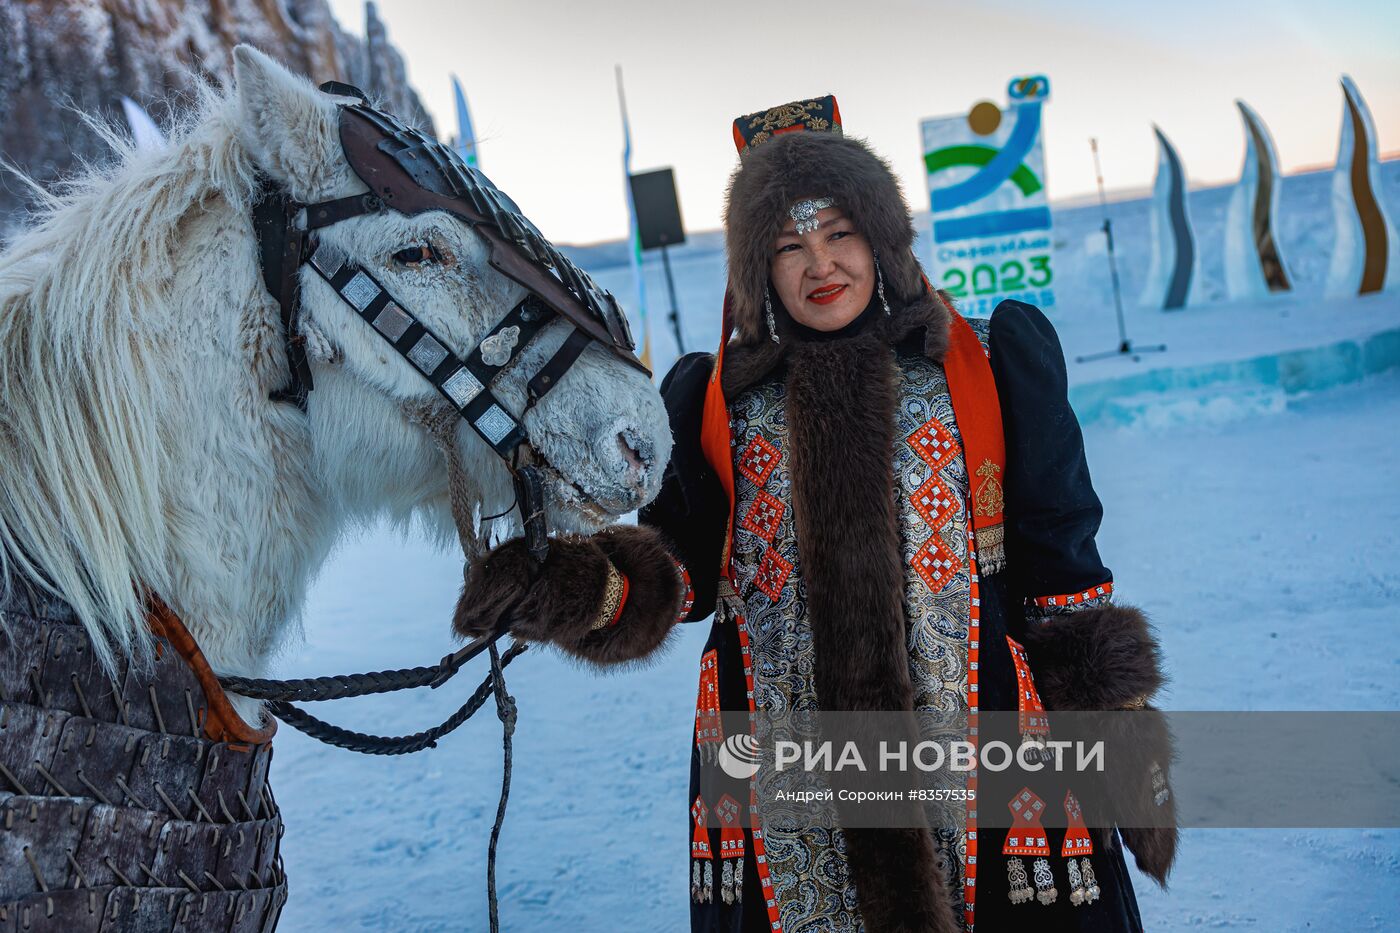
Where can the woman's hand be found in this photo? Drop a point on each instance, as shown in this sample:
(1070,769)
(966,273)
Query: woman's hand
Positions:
(577,599)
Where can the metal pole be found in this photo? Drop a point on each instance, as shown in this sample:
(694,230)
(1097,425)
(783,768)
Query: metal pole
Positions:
(1112,259)
(675,313)
(1125,346)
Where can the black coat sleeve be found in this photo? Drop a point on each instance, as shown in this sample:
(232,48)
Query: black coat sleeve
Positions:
(691,509)
(1052,512)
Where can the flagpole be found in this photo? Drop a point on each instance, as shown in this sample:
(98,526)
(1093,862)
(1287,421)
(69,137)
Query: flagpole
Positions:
(634,241)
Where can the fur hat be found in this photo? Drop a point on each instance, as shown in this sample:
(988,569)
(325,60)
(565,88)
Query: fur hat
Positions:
(792,166)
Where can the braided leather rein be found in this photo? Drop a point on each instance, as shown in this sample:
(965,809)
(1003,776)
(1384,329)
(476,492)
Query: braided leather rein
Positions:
(279,695)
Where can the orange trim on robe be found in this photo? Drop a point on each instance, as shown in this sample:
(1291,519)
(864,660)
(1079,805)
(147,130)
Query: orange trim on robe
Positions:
(622,600)
(1072,599)
(715,439)
(977,408)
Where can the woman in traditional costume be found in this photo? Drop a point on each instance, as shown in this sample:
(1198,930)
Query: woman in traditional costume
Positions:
(886,507)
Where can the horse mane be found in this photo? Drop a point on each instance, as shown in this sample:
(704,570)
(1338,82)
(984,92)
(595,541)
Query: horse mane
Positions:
(87,375)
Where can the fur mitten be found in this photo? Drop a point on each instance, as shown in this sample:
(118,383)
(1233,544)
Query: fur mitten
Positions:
(562,600)
(1106,659)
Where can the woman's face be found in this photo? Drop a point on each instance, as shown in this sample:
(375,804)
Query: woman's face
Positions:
(825,276)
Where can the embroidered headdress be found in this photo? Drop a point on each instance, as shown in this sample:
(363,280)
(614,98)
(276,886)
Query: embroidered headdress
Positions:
(754,129)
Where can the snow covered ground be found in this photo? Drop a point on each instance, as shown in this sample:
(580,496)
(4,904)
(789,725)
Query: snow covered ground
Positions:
(1265,546)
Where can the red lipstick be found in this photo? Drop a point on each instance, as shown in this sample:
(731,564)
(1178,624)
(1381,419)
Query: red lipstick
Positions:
(825,296)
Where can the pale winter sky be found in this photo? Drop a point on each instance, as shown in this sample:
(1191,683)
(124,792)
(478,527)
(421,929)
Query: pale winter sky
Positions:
(539,78)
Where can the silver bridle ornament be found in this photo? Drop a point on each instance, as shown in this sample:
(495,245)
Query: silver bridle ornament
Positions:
(804,213)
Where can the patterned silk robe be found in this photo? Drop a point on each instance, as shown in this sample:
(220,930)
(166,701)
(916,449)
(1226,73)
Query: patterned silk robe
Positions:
(808,865)
(959,632)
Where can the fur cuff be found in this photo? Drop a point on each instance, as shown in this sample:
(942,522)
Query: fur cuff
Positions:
(560,602)
(1094,659)
(1105,659)
(1154,850)
(1149,827)
(654,597)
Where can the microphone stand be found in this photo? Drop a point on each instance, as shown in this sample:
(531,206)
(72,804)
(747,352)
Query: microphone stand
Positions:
(1125,346)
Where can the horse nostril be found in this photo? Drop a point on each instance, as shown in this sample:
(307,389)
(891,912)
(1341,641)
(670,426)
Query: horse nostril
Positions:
(637,462)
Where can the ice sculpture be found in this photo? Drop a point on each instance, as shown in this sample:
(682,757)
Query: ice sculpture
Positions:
(1365,252)
(1173,267)
(1253,264)
(144,131)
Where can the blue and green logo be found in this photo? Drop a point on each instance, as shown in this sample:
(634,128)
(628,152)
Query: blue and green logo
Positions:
(995,167)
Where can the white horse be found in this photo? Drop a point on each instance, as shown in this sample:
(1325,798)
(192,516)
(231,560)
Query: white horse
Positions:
(139,450)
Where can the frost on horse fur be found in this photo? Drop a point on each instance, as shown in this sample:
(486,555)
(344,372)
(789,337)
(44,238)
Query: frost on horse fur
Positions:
(138,347)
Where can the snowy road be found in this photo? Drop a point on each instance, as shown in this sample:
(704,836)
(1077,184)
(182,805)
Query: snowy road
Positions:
(1266,552)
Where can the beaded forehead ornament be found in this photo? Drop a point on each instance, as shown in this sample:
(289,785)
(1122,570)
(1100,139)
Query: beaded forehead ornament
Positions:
(804,213)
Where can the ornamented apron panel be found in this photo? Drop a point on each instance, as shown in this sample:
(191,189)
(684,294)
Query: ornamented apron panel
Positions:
(933,517)
(808,865)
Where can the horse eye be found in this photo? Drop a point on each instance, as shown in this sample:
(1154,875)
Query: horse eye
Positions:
(415,255)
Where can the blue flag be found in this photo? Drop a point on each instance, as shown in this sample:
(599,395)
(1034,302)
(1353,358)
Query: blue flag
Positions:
(466,139)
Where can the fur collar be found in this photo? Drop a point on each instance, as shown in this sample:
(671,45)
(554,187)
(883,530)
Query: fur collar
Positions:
(840,408)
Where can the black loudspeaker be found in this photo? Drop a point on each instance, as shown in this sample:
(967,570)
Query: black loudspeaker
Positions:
(658,212)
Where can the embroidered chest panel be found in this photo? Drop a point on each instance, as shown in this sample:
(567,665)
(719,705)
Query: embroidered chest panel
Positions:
(932,487)
(808,864)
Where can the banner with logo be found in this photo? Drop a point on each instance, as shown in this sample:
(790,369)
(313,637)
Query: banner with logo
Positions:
(991,220)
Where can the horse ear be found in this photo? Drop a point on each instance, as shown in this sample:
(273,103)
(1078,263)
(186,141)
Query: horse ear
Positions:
(288,126)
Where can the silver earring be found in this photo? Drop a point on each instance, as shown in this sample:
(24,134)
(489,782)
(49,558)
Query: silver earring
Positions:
(768,314)
(880,284)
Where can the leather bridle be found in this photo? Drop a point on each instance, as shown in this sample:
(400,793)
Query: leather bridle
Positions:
(409,172)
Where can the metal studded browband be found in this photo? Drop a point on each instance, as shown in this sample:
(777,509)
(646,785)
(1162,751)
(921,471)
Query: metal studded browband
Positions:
(413,173)
(464,383)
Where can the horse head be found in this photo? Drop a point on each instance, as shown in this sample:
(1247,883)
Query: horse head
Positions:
(600,435)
